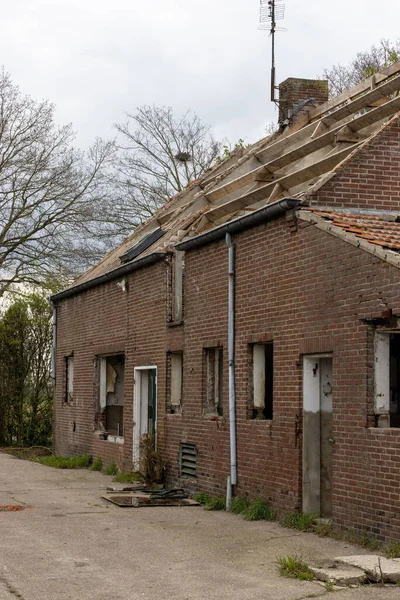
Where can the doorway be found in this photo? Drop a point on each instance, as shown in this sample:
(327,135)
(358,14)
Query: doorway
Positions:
(317,435)
(144,408)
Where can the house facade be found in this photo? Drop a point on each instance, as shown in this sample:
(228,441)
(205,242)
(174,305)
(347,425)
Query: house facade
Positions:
(252,325)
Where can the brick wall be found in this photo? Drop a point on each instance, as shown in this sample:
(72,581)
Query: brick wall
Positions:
(371,179)
(309,292)
(100,321)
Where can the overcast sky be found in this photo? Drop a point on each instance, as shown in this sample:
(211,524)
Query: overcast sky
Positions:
(98,59)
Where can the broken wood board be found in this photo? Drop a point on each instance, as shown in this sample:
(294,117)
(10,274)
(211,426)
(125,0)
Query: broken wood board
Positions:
(139,500)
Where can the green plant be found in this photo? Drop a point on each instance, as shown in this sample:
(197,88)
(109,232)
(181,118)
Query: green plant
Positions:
(239,504)
(293,566)
(110,469)
(64,462)
(392,550)
(202,498)
(329,586)
(128,477)
(300,521)
(259,510)
(96,465)
(217,503)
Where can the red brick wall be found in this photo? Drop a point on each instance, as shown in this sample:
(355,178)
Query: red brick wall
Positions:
(371,179)
(107,320)
(309,292)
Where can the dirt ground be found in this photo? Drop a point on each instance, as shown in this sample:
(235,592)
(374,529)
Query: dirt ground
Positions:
(68,543)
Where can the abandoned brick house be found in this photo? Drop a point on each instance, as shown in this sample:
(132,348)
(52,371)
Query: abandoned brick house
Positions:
(253,323)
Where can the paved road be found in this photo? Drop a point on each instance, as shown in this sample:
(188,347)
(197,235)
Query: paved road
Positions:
(70,544)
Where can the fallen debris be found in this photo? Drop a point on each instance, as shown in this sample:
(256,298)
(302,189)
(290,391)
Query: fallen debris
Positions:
(137,499)
(12,507)
(338,574)
(377,568)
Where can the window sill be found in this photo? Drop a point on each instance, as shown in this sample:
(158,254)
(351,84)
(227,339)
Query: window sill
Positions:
(174,323)
(115,439)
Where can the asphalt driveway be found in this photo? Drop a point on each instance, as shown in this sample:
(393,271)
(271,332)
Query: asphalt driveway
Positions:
(70,544)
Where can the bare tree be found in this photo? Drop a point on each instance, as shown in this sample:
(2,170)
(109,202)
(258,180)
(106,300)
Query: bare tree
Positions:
(159,155)
(48,190)
(365,64)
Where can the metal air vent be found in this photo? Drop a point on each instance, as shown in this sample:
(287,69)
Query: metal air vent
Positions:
(188,455)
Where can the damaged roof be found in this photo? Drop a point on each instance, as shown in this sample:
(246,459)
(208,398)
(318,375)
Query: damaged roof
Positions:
(377,232)
(291,164)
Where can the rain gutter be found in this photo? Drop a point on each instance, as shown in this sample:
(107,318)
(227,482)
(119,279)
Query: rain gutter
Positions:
(266,213)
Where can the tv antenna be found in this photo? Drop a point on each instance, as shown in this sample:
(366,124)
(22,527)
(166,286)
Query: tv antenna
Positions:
(272,11)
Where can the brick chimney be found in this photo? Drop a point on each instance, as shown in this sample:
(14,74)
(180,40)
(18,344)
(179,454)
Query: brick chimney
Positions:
(298,96)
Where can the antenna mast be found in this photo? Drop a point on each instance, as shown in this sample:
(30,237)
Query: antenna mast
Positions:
(270,12)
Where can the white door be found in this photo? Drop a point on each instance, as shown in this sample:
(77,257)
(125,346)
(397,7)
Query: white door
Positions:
(144,408)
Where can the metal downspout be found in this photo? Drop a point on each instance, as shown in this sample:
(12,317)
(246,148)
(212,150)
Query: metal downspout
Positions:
(231,356)
(53,349)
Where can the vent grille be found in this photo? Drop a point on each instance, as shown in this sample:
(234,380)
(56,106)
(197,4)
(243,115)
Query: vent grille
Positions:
(188,454)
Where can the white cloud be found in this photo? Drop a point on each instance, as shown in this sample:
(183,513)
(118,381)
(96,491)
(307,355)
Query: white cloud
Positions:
(98,59)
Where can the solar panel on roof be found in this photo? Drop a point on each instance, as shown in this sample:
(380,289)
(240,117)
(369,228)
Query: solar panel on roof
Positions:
(141,246)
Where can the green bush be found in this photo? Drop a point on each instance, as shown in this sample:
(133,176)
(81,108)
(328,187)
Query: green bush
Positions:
(64,462)
(259,510)
(110,469)
(97,465)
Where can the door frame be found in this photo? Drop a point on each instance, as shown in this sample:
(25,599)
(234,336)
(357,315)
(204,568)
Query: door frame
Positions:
(137,432)
(311,456)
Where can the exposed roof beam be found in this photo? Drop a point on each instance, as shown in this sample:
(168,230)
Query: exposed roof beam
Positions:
(287,182)
(372,83)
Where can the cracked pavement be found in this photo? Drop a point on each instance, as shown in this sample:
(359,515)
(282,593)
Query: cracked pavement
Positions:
(71,544)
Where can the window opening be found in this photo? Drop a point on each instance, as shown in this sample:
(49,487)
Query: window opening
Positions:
(387,379)
(263,381)
(110,413)
(214,381)
(69,378)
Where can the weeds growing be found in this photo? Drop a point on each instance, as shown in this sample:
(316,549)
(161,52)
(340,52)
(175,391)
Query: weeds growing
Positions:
(202,498)
(218,503)
(392,550)
(259,510)
(65,462)
(96,465)
(239,504)
(300,521)
(110,469)
(293,566)
(128,477)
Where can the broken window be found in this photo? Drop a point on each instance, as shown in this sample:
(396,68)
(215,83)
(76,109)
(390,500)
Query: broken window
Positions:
(69,379)
(175,375)
(387,379)
(213,381)
(110,409)
(263,380)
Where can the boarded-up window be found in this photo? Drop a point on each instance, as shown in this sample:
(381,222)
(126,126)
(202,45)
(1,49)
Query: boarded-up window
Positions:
(176,380)
(213,381)
(69,378)
(263,380)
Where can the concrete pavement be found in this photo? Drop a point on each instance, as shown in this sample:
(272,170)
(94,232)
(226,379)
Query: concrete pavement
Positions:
(71,544)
